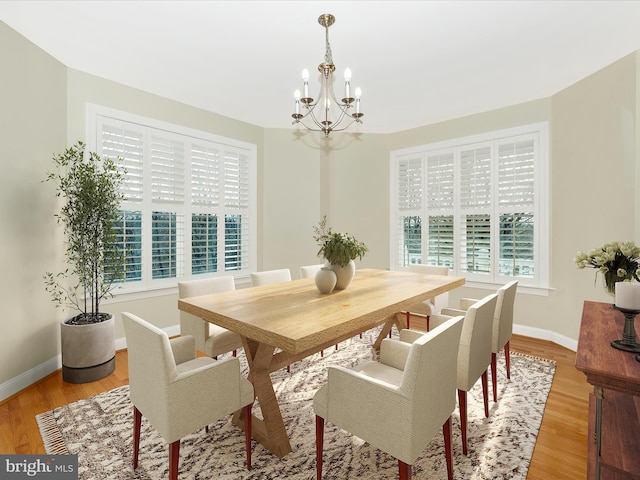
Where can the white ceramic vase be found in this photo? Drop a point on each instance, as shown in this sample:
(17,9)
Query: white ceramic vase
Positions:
(344,274)
(325,280)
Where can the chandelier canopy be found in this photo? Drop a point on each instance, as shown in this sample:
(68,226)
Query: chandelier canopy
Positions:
(327,114)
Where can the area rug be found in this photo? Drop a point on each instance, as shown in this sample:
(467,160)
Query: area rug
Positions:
(99,430)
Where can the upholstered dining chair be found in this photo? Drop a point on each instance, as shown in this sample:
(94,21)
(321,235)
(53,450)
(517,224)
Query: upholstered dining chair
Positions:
(431,305)
(177,392)
(269,277)
(384,402)
(211,339)
(502,328)
(309,271)
(474,354)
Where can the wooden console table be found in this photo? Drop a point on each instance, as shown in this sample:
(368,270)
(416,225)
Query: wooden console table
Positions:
(614,406)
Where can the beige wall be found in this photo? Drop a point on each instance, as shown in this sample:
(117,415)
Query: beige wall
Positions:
(32,127)
(593,181)
(290,202)
(594,174)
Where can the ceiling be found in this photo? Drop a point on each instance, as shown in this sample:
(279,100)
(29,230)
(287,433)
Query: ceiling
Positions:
(417,62)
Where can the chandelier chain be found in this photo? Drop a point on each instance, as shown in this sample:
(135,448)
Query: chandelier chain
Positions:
(328,56)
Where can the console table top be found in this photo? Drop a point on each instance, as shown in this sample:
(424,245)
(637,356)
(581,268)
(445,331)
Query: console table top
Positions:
(603,365)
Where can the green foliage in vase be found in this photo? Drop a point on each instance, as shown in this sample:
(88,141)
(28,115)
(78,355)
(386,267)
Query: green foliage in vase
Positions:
(616,261)
(90,187)
(337,248)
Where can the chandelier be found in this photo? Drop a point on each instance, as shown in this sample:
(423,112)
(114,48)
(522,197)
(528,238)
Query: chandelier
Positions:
(327,114)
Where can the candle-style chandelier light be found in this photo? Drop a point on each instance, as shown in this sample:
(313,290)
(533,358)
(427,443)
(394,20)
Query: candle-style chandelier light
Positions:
(327,114)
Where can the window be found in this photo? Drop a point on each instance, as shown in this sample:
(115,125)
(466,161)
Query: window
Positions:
(190,199)
(477,205)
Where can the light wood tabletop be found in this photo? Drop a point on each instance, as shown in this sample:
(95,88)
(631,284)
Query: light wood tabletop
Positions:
(285,322)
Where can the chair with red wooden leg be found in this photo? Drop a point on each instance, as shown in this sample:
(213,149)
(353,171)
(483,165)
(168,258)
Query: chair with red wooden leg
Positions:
(474,355)
(211,339)
(269,277)
(502,328)
(432,305)
(399,403)
(177,392)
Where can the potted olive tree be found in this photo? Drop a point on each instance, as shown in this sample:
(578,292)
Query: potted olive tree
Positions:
(90,188)
(339,250)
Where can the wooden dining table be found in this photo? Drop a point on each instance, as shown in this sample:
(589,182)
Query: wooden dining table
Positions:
(286,322)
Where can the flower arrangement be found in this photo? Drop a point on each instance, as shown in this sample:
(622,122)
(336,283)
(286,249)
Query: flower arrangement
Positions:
(337,248)
(617,261)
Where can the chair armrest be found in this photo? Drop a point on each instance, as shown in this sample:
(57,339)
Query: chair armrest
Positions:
(410,336)
(211,385)
(465,303)
(367,407)
(183,348)
(453,312)
(439,319)
(209,391)
(394,353)
(345,383)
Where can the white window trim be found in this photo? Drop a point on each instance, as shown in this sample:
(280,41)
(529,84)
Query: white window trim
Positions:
(541,191)
(147,289)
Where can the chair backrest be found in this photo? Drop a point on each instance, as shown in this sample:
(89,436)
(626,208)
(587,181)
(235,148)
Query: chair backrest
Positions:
(430,378)
(151,362)
(442,300)
(309,271)
(474,355)
(269,277)
(190,324)
(503,318)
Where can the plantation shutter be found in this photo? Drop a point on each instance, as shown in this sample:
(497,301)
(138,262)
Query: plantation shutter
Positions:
(205,175)
(516,204)
(206,185)
(440,204)
(167,159)
(189,198)
(410,208)
(476,205)
(236,203)
(475,209)
(124,144)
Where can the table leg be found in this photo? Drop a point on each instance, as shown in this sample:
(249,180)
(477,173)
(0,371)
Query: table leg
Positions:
(598,393)
(397,319)
(271,431)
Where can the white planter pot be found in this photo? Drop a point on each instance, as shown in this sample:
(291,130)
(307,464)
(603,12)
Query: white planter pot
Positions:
(344,274)
(88,351)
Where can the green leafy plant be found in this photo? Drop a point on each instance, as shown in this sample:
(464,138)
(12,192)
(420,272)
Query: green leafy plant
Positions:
(90,187)
(337,248)
(616,261)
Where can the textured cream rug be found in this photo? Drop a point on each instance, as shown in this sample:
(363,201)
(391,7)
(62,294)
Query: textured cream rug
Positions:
(99,430)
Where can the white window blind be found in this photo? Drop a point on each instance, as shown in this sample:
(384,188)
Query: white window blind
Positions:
(475,204)
(190,199)
(410,194)
(440,207)
(205,175)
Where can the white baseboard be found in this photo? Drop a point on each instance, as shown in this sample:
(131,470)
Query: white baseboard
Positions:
(28,378)
(542,334)
(24,380)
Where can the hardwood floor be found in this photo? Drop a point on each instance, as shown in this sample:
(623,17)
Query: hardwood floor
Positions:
(560,452)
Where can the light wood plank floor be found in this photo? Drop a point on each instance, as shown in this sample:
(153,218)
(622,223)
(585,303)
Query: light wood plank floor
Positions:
(560,452)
